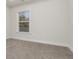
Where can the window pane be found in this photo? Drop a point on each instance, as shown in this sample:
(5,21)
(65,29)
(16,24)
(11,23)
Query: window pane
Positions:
(24,26)
(24,16)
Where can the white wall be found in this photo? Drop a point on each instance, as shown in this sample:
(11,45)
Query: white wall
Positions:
(8,20)
(51,22)
(70,24)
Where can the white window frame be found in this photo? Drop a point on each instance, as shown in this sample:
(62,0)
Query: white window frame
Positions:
(17,29)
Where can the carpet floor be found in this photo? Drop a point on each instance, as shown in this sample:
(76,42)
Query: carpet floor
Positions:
(19,49)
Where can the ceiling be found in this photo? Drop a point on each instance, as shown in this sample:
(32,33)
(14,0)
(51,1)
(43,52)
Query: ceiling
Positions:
(12,3)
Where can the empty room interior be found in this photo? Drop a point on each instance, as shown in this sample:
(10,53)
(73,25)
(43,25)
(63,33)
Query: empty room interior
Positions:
(39,29)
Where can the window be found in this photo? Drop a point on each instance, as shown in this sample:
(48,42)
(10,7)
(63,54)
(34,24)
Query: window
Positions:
(24,17)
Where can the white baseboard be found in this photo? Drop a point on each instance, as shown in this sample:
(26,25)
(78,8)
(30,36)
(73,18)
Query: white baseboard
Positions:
(44,42)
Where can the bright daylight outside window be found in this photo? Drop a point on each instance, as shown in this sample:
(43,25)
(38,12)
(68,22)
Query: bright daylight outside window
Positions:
(24,21)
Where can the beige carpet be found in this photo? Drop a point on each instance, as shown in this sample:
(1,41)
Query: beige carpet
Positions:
(18,49)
